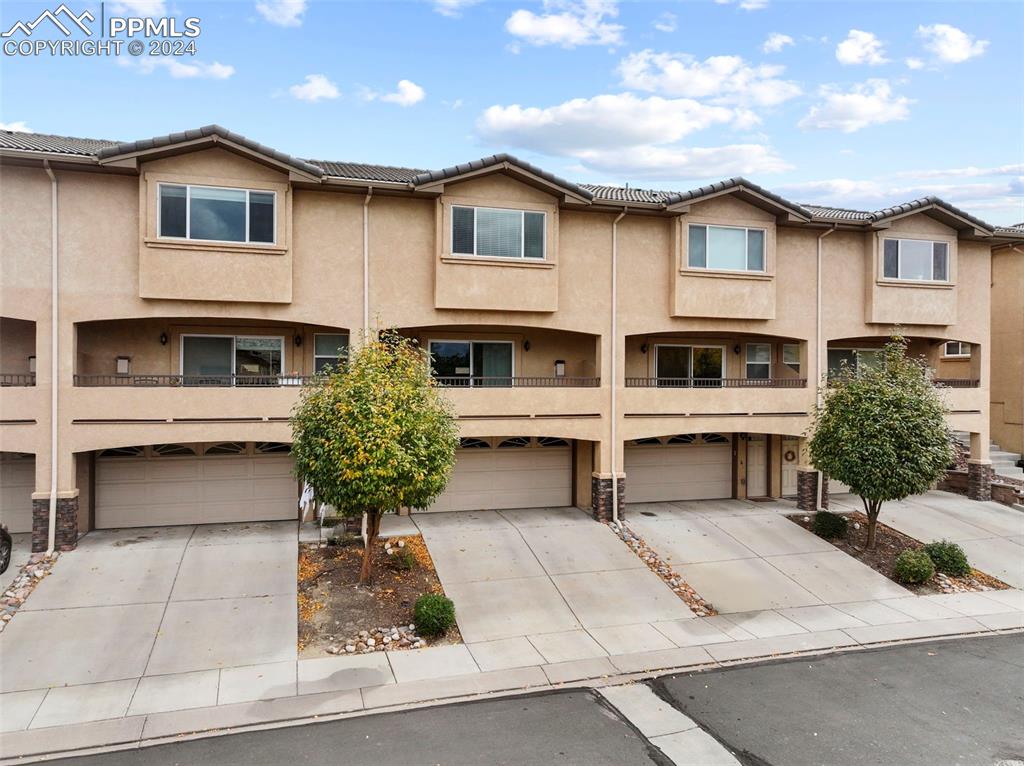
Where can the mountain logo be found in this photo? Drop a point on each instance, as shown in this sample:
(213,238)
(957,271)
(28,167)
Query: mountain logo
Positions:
(55,18)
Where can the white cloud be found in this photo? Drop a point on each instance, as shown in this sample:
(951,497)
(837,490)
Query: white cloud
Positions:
(568,23)
(666,22)
(284,13)
(861,47)
(776,42)
(949,44)
(601,122)
(967,172)
(867,103)
(746,5)
(452,8)
(913,63)
(139,8)
(180,70)
(724,79)
(316,88)
(406,93)
(17,127)
(670,163)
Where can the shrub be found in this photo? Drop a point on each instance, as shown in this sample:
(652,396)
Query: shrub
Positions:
(829,525)
(434,614)
(402,559)
(913,566)
(949,558)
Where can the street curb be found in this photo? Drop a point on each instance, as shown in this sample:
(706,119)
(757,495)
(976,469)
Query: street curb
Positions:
(44,749)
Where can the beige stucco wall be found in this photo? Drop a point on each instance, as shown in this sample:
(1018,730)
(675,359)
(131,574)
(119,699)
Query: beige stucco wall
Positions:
(1008,349)
(109,307)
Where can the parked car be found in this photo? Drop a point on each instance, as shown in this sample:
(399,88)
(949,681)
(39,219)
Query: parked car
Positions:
(5,548)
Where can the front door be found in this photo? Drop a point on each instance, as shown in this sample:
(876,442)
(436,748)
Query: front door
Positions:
(790,460)
(757,466)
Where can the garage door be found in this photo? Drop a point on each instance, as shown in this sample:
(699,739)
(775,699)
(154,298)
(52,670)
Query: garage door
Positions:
(236,482)
(521,474)
(683,467)
(17,480)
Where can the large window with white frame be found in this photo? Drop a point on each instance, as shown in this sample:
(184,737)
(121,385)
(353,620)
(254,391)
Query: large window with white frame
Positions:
(689,366)
(851,360)
(915,260)
(472,362)
(498,232)
(216,214)
(726,248)
(231,359)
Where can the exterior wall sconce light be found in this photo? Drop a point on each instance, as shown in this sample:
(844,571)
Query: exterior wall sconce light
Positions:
(298,340)
(163,339)
(559,368)
(124,365)
(526,345)
(643,348)
(736,349)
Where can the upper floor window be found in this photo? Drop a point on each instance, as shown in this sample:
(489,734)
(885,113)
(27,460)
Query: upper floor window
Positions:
(726,248)
(215,213)
(791,356)
(956,348)
(852,360)
(918,260)
(329,350)
(498,233)
(759,361)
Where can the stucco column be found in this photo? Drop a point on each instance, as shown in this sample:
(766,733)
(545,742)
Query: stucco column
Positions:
(602,480)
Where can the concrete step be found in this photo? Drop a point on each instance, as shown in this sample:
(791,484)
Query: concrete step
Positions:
(1012,473)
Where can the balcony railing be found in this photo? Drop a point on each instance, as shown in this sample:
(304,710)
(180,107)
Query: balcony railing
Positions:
(17,379)
(208,381)
(716,382)
(957,382)
(517,382)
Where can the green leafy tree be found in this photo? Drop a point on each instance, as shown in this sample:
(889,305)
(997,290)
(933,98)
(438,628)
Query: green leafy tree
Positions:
(881,430)
(375,435)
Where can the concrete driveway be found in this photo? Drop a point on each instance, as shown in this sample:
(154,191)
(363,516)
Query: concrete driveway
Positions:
(991,534)
(546,584)
(747,557)
(137,616)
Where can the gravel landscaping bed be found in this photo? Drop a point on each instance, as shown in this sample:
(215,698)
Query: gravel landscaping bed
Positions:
(338,616)
(38,567)
(888,545)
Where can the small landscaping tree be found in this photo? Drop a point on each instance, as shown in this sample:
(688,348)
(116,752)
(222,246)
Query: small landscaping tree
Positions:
(375,435)
(881,430)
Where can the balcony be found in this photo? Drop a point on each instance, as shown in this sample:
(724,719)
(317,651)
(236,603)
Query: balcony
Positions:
(204,381)
(17,379)
(716,382)
(517,382)
(957,382)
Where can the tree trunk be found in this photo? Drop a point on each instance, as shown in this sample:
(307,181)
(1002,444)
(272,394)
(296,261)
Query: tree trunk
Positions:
(874,508)
(372,529)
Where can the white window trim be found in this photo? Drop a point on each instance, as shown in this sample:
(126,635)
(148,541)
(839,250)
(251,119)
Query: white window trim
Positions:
(899,261)
(961,355)
(522,230)
(746,249)
(188,214)
(690,346)
(324,356)
(234,338)
(799,361)
(747,362)
(472,374)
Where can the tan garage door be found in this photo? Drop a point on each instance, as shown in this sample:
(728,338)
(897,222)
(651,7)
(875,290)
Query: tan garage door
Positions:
(17,479)
(687,467)
(153,490)
(510,477)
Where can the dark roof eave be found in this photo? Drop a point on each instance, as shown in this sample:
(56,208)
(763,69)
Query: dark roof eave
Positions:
(738,184)
(496,161)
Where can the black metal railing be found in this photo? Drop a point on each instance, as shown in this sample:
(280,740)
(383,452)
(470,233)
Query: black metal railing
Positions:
(516,382)
(957,382)
(716,382)
(17,379)
(207,381)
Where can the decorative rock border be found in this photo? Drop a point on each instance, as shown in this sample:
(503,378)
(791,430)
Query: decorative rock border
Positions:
(38,567)
(698,605)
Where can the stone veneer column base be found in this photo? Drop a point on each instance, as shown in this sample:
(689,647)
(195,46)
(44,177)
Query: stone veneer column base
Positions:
(807,490)
(979,480)
(601,497)
(66,537)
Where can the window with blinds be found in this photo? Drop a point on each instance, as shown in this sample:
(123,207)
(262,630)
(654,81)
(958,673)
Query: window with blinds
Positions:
(498,233)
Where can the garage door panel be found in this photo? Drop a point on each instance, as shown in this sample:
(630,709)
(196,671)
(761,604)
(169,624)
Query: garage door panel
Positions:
(17,482)
(678,472)
(198,490)
(508,478)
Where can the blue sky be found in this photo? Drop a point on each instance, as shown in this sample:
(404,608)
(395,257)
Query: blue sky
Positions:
(853,104)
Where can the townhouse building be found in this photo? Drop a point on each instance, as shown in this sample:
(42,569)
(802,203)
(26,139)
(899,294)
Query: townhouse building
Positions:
(1008,341)
(164,300)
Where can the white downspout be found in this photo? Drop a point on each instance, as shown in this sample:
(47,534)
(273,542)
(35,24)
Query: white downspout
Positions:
(366,262)
(54,360)
(818,356)
(614,370)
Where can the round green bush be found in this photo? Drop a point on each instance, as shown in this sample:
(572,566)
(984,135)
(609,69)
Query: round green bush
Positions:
(949,558)
(433,614)
(829,525)
(913,566)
